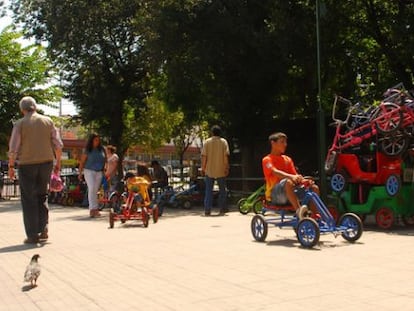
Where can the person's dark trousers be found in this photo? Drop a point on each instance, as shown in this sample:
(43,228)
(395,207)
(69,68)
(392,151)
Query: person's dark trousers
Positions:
(208,196)
(222,199)
(33,181)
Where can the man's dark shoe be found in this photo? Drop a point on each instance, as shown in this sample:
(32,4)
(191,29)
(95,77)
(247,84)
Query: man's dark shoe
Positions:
(207,213)
(44,235)
(31,240)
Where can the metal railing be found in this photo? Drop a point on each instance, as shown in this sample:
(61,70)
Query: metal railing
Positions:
(9,188)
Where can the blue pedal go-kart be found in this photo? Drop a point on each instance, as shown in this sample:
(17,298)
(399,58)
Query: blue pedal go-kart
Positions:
(308,229)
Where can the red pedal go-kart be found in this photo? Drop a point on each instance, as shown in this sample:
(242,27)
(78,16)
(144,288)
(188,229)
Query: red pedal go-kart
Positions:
(379,169)
(136,204)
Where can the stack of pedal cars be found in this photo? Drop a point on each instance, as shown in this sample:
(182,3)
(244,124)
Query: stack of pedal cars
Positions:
(370,162)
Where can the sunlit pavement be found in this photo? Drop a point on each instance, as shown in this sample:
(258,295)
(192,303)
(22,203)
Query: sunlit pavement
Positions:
(188,261)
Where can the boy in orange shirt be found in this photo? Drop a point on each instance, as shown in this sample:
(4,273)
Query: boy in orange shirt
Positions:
(281,175)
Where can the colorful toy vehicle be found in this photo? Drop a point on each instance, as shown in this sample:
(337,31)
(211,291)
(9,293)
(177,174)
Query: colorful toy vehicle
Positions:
(307,229)
(379,127)
(252,202)
(181,197)
(363,200)
(73,192)
(375,168)
(136,203)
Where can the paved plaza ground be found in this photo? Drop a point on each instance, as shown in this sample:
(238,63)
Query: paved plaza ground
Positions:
(190,262)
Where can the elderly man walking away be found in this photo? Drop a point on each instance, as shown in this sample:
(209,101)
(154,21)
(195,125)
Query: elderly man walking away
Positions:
(215,166)
(34,143)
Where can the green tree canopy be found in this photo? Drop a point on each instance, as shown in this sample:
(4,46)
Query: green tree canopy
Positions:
(24,70)
(100,47)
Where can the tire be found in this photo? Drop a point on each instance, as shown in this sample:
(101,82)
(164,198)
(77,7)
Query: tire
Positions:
(408,220)
(115,202)
(330,162)
(392,185)
(394,144)
(155,214)
(70,201)
(384,217)
(111,219)
(387,121)
(338,183)
(186,204)
(308,232)
(354,225)
(145,218)
(258,206)
(64,201)
(259,228)
(243,206)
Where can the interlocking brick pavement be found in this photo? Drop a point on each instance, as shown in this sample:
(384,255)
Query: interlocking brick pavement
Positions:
(190,262)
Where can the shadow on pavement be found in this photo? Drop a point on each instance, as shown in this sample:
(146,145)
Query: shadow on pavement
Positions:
(20,247)
(26,288)
(398,229)
(9,206)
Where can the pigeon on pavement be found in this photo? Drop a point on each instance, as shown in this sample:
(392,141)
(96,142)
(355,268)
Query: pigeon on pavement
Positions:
(32,271)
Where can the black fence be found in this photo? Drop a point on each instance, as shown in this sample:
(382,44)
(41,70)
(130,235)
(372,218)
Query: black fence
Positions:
(9,188)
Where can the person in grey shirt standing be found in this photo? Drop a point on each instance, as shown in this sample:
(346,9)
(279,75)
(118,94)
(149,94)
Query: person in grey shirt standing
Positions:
(34,144)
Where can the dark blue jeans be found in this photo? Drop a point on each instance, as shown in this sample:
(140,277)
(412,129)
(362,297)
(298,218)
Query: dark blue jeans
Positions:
(208,196)
(33,181)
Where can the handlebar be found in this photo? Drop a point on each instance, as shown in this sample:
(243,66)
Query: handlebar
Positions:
(343,100)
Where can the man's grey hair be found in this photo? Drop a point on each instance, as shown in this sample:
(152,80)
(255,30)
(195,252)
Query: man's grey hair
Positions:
(27,103)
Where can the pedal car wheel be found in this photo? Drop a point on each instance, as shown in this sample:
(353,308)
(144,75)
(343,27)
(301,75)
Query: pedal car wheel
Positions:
(115,202)
(145,218)
(308,232)
(394,144)
(408,220)
(186,204)
(354,227)
(258,206)
(384,218)
(392,185)
(155,214)
(70,201)
(258,227)
(111,219)
(388,119)
(243,206)
(338,182)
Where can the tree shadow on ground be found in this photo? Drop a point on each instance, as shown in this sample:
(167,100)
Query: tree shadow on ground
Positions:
(396,229)
(9,206)
(168,213)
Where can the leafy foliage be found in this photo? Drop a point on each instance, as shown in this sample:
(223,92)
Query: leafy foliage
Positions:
(23,71)
(245,64)
(100,47)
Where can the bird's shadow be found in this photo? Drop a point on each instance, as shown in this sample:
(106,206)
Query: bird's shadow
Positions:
(28,287)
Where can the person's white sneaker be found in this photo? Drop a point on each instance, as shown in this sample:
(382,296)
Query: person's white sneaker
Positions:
(302,212)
